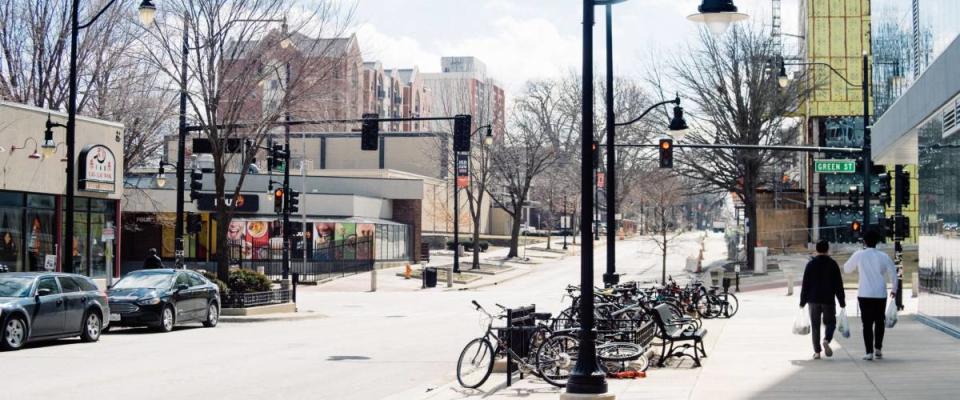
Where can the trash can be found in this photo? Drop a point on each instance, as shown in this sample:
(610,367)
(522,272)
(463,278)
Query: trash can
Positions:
(430,276)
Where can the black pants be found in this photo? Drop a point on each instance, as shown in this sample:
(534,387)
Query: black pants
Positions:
(829,313)
(872,314)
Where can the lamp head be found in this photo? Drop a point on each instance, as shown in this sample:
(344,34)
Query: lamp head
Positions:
(148,11)
(488,138)
(718,15)
(161,179)
(678,125)
(782,79)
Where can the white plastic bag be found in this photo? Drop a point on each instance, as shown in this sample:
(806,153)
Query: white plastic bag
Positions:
(843,325)
(801,324)
(891,317)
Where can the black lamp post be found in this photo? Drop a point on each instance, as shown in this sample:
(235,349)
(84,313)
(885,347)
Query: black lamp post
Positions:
(587,377)
(147,12)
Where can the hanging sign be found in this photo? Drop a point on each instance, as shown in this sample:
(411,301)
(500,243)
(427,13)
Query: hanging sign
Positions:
(463,170)
(97,169)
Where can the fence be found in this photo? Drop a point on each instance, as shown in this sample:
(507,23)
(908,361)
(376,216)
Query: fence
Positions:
(241,300)
(344,257)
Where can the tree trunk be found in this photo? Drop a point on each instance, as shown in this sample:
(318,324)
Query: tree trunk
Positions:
(515,234)
(750,209)
(223,226)
(476,240)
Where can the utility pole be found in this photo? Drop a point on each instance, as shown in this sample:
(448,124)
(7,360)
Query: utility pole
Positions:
(610,278)
(181,144)
(286,171)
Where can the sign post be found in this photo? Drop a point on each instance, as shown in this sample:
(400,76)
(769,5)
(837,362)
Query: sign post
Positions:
(107,236)
(463,181)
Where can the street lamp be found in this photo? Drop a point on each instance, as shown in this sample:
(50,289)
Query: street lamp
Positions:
(718,15)
(161,178)
(148,12)
(488,138)
(587,377)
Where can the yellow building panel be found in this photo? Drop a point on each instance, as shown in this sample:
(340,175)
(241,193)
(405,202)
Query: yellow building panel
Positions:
(852,7)
(853,39)
(837,8)
(838,32)
(819,8)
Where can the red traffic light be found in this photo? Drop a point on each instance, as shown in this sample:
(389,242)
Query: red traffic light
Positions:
(855,226)
(278,193)
(666,144)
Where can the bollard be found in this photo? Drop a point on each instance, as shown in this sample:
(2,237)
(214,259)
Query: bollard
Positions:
(915,278)
(296,281)
(789,283)
(450,277)
(373,280)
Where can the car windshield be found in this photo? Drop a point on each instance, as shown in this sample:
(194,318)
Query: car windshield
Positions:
(15,287)
(152,281)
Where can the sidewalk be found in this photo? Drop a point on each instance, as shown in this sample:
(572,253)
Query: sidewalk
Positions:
(755,356)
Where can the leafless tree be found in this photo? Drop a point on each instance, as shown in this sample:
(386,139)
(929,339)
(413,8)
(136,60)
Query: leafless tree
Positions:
(525,152)
(661,200)
(736,100)
(244,75)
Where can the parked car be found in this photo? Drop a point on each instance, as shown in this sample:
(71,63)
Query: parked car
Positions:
(163,298)
(43,306)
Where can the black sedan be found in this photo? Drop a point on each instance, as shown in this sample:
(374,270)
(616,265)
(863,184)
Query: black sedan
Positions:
(40,306)
(163,298)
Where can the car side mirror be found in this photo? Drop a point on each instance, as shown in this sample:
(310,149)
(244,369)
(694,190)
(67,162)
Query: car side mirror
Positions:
(44,292)
(182,287)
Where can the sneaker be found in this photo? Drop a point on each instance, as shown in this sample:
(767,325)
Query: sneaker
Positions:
(868,357)
(826,349)
(878,355)
(816,356)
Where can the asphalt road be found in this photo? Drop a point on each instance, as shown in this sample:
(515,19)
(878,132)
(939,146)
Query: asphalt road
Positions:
(367,345)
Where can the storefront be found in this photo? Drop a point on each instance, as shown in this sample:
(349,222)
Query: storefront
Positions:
(32,187)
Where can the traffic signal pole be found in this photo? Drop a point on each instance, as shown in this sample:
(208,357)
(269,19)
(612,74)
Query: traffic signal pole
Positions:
(610,278)
(897,234)
(181,148)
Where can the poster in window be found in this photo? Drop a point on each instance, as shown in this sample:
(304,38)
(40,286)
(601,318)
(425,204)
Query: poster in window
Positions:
(346,238)
(323,240)
(258,240)
(365,233)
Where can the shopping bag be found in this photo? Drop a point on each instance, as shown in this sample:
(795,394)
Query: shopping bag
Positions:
(843,325)
(801,324)
(891,317)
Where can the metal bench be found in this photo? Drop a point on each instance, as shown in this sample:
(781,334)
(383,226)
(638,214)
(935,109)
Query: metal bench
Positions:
(676,334)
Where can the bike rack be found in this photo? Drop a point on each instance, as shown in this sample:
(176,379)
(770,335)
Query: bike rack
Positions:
(521,322)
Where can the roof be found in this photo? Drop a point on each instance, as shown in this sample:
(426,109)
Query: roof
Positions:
(311,47)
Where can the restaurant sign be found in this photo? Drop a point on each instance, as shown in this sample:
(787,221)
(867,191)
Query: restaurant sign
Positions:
(98,169)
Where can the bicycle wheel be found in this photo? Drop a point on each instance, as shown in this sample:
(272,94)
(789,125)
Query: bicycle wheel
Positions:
(475,364)
(732,304)
(619,351)
(557,357)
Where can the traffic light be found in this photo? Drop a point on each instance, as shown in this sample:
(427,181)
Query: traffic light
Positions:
(887,226)
(194,223)
(278,200)
(370,132)
(856,228)
(196,184)
(853,194)
(666,153)
(277,158)
(461,132)
(903,188)
(293,201)
(595,154)
(884,190)
(901,226)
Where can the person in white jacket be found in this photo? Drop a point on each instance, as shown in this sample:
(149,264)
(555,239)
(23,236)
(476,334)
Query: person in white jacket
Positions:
(872,265)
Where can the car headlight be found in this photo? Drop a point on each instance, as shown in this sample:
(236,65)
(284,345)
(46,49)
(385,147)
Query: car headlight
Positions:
(149,301)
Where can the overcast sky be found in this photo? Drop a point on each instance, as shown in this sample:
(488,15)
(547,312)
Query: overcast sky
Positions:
(524,39)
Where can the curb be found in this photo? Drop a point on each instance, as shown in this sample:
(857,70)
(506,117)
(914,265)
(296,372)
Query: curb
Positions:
(453,289)
(301,316)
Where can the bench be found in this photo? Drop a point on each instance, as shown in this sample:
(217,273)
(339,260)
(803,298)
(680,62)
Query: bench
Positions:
(677,334)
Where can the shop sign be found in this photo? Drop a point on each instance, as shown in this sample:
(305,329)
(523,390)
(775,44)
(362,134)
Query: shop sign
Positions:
(463,170)
(98,169)
(243,203)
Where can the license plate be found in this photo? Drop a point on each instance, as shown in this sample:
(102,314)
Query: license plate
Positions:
(114,317)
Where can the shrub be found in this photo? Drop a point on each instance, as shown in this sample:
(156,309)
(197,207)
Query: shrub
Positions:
(224,290)
(468,245)
(247,281)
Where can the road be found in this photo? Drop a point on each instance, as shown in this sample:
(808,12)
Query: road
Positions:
(366,345)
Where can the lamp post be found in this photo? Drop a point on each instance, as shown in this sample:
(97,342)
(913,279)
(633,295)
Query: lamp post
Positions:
(487,140)
(783,80)
(587,377)
(147,12)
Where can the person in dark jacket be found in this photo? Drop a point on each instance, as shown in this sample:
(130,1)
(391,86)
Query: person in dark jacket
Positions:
(153,260)
(821,283)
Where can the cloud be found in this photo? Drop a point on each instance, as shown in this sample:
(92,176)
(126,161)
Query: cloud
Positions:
(395,51)
(517,50)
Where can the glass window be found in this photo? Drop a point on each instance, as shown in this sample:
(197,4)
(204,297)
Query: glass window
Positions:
(11,238)
(11,199)
(68,284)
(147,279)
(15,287)
(195,279)
(40,201)
(182,279)
(40,237)
(48,283)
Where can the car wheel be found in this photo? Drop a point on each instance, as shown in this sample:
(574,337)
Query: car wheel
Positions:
(167,319)
(92,327)
(14,334)
(213,315)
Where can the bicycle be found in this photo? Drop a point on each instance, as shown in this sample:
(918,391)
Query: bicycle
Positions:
(477,357)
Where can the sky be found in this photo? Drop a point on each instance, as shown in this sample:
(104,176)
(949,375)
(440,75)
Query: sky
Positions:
(520,40)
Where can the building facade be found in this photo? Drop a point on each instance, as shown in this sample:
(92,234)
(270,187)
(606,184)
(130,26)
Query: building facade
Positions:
(32,189)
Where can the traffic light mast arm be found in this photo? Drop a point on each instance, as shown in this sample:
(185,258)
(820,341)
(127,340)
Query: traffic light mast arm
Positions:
(808,149)
(198,128)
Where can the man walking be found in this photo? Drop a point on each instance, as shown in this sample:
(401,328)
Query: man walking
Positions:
(872,265)
(153,260)
(821,283)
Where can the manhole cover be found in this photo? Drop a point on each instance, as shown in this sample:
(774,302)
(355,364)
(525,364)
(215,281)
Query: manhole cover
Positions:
(347,358)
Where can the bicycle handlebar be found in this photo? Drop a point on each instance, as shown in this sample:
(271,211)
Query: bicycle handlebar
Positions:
(476,304)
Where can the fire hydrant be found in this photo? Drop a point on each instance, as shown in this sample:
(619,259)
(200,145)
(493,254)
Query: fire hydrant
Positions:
(407,272)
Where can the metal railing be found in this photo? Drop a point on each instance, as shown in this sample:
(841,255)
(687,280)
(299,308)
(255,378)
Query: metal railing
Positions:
(339,259)
(253,299)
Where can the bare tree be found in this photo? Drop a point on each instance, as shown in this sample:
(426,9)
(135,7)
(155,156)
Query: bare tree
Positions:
(244,76)
(661,200)
(526,151)
(736,98)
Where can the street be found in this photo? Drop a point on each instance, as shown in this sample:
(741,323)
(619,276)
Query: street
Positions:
(406,342)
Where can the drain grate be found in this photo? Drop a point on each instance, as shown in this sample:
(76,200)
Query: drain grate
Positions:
(347,358)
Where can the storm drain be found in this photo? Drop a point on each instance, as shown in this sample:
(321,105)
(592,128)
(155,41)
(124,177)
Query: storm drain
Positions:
(347,358)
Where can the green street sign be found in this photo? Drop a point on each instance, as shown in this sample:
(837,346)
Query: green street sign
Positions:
(835,166)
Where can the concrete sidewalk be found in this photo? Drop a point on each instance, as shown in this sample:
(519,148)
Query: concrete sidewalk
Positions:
(755,356)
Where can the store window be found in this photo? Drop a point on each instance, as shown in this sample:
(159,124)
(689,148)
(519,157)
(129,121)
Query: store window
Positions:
(89,250)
